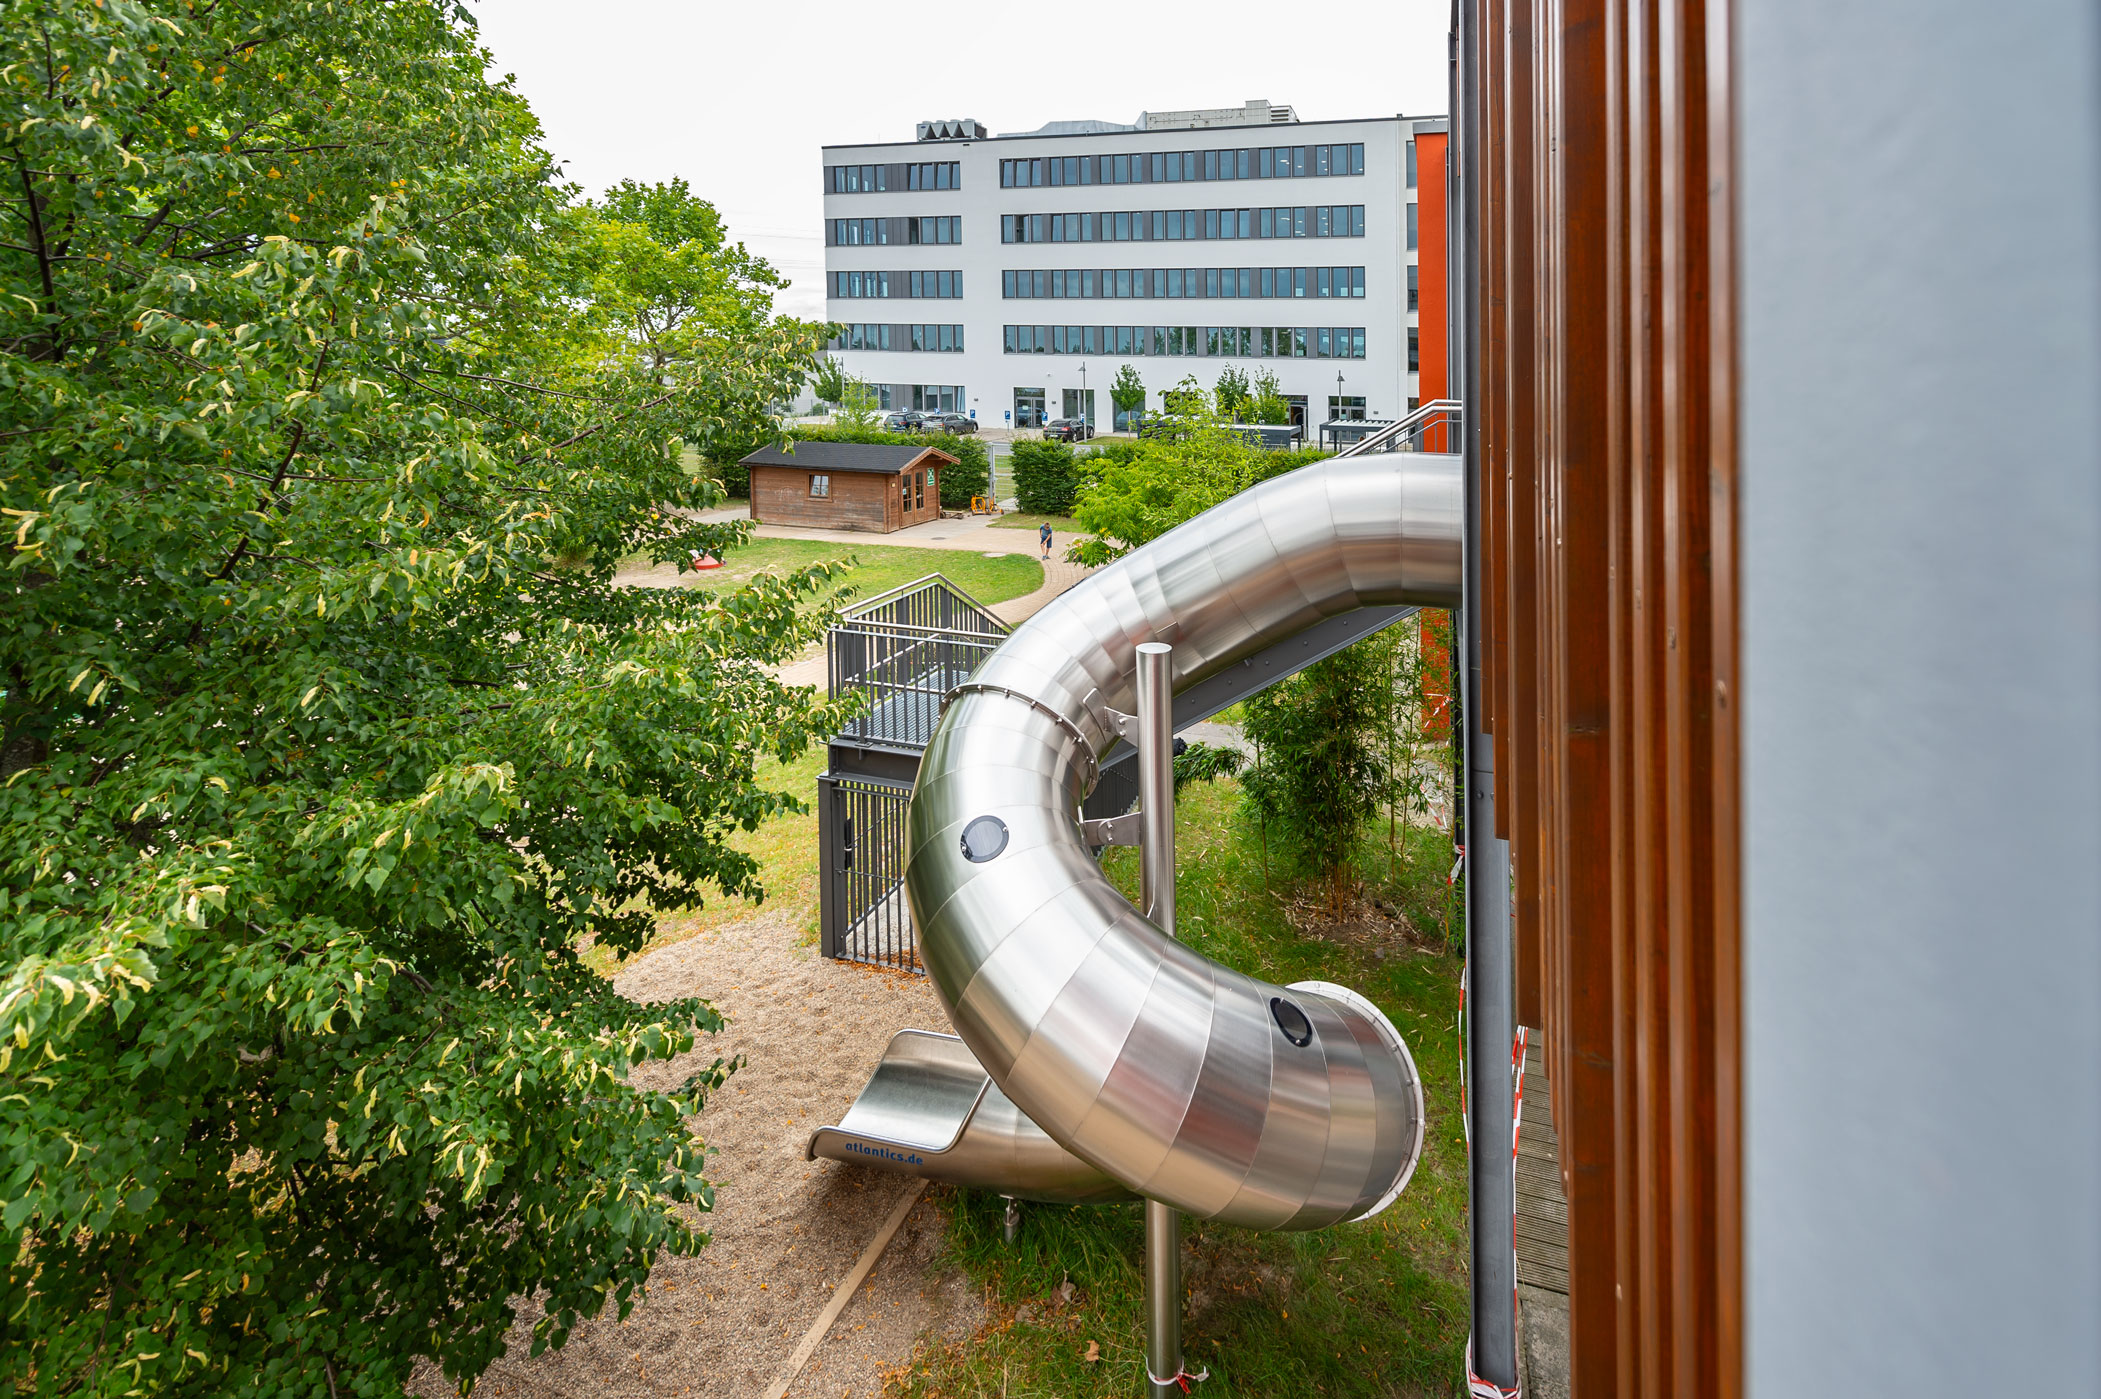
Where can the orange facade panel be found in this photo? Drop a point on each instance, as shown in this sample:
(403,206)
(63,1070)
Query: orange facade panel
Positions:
(1433,304)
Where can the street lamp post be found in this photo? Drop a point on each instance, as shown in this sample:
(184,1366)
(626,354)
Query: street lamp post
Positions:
(1085,416)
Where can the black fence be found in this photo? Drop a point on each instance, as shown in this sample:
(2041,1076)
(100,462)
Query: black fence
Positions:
(864,859)
(902,652)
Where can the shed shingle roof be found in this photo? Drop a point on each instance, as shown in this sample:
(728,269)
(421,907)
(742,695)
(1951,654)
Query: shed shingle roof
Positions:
(878,457)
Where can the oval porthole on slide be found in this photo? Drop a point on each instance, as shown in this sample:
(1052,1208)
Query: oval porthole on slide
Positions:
(1292,1021)
(983,839)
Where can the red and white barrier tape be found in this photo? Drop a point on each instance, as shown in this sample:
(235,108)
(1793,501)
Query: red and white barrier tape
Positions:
(1180,1377)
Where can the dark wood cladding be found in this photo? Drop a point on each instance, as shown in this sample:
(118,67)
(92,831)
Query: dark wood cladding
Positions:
(857,500)
(1607,404)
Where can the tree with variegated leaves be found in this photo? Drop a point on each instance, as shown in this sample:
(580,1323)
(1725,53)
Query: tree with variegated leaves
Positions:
(327,742)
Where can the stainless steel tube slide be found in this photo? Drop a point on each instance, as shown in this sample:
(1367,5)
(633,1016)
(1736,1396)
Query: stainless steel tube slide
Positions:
(930,1111)
(1190,1083)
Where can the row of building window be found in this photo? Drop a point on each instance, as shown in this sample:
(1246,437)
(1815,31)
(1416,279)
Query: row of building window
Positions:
(1166,167)
(868,233)
(927,398)
(1156,283)
(931,338)
(1145,167)
(857,285)
(876,179)
(1246,342)
(1153,225)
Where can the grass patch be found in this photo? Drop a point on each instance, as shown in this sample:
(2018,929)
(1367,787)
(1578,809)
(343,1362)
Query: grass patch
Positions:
(881,567)
(1064,525)
(1375,1308)
(786,849)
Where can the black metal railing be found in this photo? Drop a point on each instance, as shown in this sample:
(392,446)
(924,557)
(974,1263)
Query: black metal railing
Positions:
(901,673)
(902,651)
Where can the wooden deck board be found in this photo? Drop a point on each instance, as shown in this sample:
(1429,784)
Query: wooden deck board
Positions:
(1542,1210)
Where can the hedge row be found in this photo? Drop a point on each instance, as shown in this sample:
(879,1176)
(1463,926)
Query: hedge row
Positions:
(1045,479)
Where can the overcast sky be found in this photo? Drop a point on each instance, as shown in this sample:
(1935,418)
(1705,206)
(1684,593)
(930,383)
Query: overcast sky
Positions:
(738,97)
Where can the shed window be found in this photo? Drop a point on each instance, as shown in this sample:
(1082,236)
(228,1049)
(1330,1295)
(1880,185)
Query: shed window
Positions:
(820,486)
(919,496)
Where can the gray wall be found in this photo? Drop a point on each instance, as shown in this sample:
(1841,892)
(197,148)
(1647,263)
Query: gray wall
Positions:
(1922,720)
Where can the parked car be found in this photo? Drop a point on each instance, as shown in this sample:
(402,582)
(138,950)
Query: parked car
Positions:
(899,422)
(1068,430)
(950,423)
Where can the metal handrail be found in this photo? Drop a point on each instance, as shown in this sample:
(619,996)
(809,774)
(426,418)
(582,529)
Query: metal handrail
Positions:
(901,652)
(860,609)
(1408,430)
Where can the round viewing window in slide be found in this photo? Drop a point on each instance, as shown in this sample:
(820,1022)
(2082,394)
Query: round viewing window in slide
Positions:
(1292,1021)
(983,839)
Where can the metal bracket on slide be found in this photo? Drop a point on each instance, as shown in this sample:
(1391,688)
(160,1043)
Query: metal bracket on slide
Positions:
(1111,830)
(1126,725)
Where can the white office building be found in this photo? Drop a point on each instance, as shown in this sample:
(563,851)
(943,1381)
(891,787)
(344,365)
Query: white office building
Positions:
(1012,277)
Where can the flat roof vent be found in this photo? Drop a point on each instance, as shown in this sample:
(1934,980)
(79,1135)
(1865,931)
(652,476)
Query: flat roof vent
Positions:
(1259,112)
(966,129)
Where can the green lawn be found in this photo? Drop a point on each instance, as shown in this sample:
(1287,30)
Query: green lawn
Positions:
(881,567)
(1375,1308)
(1064,525)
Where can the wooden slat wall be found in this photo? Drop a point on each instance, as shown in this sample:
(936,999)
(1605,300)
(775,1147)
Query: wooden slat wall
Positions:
(1607,401)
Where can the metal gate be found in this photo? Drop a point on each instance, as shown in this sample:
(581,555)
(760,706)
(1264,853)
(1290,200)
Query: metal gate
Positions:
(864,871)
(901,653)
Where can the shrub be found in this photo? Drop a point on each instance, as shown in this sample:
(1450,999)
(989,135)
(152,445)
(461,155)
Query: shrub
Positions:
(729,468)
(1291,459)
(1044,477)
(970,476)
(1323,770)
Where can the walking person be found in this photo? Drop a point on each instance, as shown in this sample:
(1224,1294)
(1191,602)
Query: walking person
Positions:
(1044,534)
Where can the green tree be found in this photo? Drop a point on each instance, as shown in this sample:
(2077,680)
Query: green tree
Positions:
(1266,403)
(1137,494)
(1232,394)
(828,382)
(1185,399)
(662,280)
(1127,394)
(326,741)
(859,410)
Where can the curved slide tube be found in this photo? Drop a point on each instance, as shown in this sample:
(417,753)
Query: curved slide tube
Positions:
(1187,1082)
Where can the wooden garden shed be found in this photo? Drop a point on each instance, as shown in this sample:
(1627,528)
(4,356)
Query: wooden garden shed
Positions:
(847,485)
